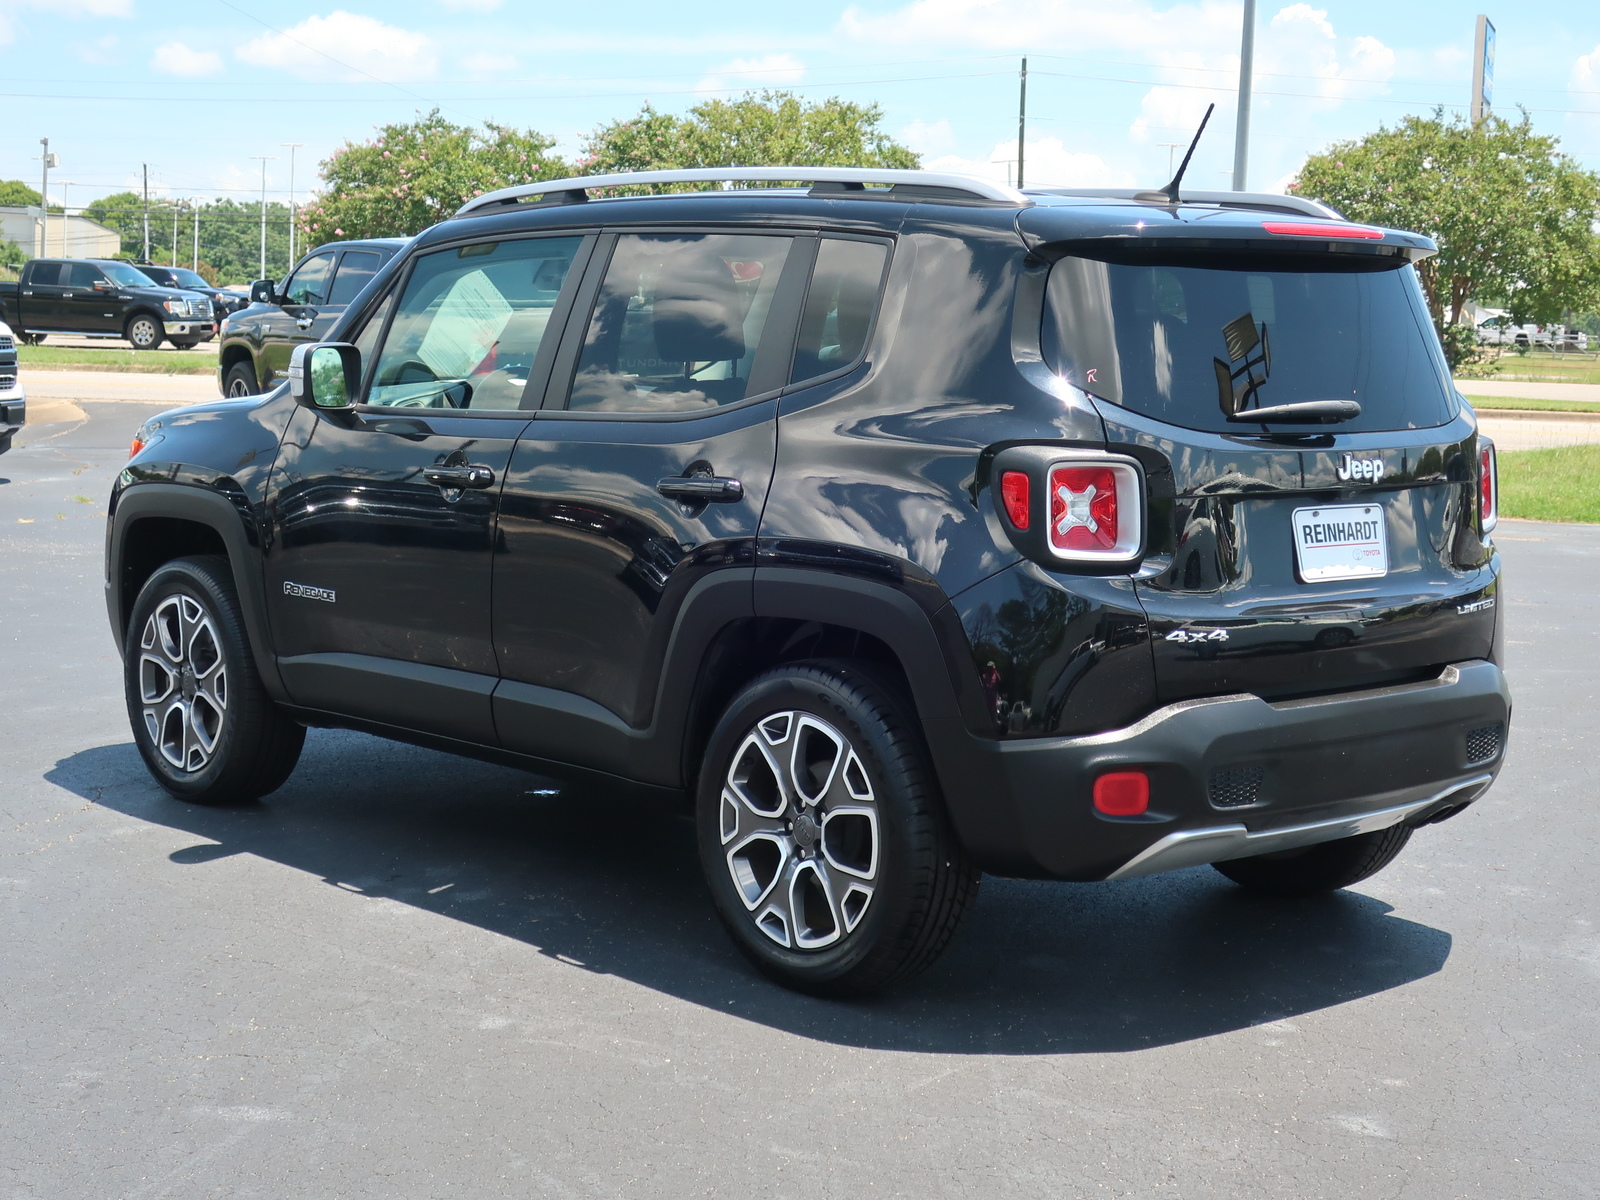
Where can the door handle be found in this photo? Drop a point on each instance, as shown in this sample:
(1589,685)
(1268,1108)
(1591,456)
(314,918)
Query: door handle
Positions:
(302,323)
(471,475)
(701,489)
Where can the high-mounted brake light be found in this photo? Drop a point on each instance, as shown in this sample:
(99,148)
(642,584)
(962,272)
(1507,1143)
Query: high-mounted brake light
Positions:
(1321,229)
(1015,495)
(1488,487)
(1095,510)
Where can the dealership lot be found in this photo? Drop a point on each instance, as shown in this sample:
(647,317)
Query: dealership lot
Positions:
(408,975)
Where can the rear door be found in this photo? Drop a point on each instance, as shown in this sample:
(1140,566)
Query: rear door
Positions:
(1287,559)
(44,294)
(645,472)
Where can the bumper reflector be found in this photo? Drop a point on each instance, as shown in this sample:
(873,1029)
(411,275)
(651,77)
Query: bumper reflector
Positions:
(1122,794)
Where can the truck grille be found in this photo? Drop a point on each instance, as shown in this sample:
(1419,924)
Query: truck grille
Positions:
(1236,787)
(6,343)
(1483,744)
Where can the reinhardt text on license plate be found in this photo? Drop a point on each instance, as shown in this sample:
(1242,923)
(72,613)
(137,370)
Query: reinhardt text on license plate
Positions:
(1348,541)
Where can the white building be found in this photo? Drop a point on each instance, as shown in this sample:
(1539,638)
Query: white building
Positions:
(64,237)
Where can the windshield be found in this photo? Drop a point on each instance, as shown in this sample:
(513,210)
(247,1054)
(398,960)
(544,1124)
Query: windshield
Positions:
(1188,338)
(126,276)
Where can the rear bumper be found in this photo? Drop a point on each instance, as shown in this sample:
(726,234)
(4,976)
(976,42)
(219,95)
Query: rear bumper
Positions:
(1229,776)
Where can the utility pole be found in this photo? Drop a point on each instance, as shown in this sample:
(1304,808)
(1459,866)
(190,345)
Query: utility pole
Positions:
(196,265)
(46,160)
(265,159)
(175,205)
(1482,69)
(1022,120)
(1241,137)
(292,146)
(66,194)
(146,255)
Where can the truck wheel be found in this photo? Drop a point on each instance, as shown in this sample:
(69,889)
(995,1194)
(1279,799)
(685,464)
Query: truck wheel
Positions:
(240,380)
(202,721)
(143,332)
(822,833)
(30,339)
(1325,867)
(185,343)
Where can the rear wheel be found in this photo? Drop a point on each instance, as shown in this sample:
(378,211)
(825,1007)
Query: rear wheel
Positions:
(203,723)
(1325,867)
(185,343)
(143,332)
(30,339)
(240,380)
(822,834)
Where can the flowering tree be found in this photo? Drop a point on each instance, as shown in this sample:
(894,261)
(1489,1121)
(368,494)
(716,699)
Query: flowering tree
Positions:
(412,176)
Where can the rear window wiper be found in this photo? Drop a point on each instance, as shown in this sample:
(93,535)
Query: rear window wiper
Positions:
(1307,412)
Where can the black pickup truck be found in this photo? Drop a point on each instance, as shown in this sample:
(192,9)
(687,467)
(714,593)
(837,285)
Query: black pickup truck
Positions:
(97,297)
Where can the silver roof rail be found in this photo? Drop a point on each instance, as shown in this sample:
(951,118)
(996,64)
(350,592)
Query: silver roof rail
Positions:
(965,187)
(1254,201)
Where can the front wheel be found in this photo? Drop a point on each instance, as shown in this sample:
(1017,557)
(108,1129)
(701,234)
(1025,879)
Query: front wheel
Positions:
(822,832)
(143,332)
(1325,867)
(240,381)
(202,720)
(185,343)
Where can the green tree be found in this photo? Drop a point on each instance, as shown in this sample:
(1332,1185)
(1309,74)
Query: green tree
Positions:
(413,176)
(230,234)
(1513,217)
(16,194)
(766,128)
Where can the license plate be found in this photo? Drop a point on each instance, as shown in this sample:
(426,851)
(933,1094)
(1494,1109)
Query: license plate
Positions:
(1346,541)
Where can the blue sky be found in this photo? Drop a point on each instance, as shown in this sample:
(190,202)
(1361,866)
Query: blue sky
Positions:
(196,89)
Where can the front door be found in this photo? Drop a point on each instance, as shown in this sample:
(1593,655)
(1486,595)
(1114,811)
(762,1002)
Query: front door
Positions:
(378,576)
(299,315)
(645,472)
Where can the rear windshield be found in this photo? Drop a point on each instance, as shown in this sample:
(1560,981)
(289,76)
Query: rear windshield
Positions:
(1186,339)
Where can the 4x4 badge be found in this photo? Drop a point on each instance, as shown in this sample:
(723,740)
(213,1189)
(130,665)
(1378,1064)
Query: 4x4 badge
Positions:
(1198,635)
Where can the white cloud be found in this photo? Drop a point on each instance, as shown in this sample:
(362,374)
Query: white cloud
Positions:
(928,137)
(779,69)
(486,63)
(174,58)
(344,46)
(61,8)
(482,6)
(1048,164)
(1302,40)
(1582,85)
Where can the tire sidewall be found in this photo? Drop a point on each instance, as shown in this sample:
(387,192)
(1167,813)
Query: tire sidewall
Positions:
(190,578)
(133,321)
(807,691)
(244,372)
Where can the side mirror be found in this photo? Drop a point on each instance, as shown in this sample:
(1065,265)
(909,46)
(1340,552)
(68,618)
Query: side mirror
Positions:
(262,291)
(325,376)
(102,285)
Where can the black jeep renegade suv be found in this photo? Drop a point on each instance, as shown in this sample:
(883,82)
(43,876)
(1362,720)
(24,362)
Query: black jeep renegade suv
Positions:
(914,531)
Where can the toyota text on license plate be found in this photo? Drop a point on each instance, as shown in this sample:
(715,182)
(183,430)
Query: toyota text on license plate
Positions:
(1346,541)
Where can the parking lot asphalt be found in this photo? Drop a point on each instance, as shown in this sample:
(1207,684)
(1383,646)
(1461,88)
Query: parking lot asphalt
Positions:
(409,975)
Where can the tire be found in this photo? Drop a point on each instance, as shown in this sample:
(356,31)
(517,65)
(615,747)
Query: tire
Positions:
(1325,867)
(185,343)
(143,332)
(865,898)
(31,339)
(240,380)
(205,726)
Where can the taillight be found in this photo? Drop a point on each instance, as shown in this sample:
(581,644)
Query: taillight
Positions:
(138,445)
(1096,510)
(1321,229)
(1488,487)
(1122,794)
(1015,494)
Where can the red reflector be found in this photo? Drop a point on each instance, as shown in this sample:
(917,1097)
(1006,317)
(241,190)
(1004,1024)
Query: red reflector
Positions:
(1122,794)
(1014,494)
(1320,229)
(1488,489)
(1083,508)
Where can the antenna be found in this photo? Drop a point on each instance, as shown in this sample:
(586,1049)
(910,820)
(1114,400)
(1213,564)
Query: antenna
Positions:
(1170,192)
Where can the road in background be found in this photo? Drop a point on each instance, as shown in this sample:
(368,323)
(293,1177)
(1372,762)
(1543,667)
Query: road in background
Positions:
(407,975)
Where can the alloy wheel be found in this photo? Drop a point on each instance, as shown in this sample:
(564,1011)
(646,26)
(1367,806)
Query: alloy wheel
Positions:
(142,333)
(799,829)
(183,682)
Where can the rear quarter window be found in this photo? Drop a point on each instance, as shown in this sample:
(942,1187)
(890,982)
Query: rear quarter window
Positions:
(1171,337)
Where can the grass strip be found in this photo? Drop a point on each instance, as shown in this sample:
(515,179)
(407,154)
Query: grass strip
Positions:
(1486,403)
(1561,484)
(85,358)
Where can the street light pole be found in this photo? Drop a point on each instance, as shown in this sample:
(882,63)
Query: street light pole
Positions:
(265,159)
(176,204)
(1247,56)
(46,161)
(196,265)
(292,146)
(66,194)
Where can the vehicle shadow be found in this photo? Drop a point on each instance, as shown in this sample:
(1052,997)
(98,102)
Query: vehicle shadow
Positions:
(611,885)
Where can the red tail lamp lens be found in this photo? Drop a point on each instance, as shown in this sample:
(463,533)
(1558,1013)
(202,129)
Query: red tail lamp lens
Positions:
(1014,494)
(1083,508)
(1122,794)
(138,445)
(1488,489)
(1320,229)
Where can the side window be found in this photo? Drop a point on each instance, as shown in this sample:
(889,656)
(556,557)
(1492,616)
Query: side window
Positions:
(680,323)
(366,340)
(46,274)
(85,275)
(470,324)
(309,285)
(839,306)
(356,270)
